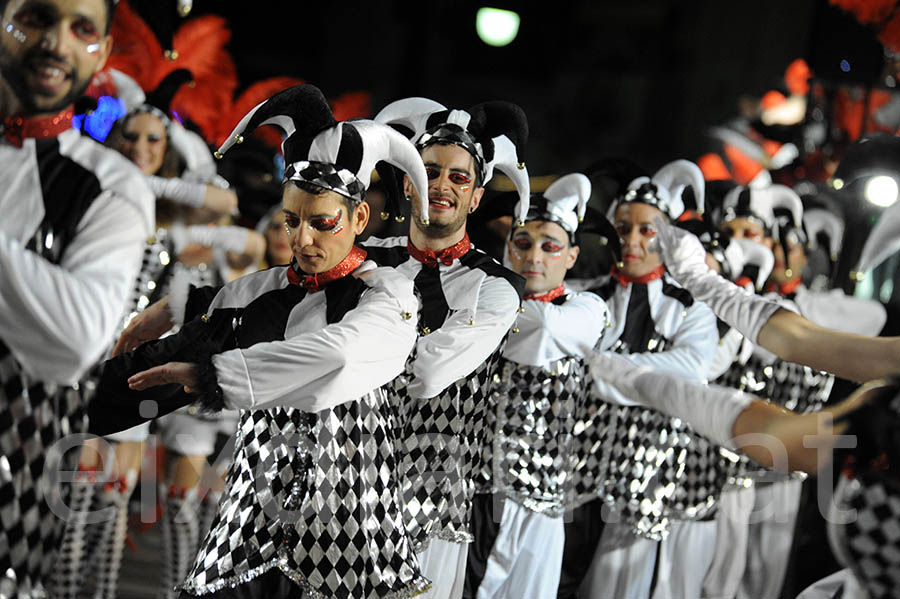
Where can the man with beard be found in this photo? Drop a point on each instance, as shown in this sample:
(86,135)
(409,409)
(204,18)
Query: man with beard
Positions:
(469,302)
(75,217)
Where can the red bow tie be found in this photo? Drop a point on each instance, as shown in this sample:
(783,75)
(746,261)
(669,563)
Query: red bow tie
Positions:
(17,128)
(445,256)
(548,296)
(624,279)
(785,289)
(315,282)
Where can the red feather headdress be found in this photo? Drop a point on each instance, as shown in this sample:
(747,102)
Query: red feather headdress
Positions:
(198,46)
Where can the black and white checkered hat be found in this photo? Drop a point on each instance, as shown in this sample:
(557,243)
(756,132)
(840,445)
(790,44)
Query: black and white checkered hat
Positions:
(339,156)
(494,133)
(564,202)
(665,188)
(761,204)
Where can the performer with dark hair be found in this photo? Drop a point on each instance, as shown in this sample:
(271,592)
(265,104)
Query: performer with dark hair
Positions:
(304,350)
(663,538)
(468,304)
(75,217)
(541,392)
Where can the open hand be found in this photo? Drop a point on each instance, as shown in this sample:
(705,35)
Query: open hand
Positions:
(183,373)
(147,325)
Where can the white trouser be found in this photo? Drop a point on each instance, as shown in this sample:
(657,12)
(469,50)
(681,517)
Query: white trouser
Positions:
(444,564)
(732,522)
(626,572)
(526,558)
(189,435)
(771,532)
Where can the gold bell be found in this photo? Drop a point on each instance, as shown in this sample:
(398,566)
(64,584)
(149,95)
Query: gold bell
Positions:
(515,329)
(238,139)
(184,10)
(424,220)
(171,54)
(788,272)
(471,323)
(205,318)
(426,331)
(520,223)
(406,315)
(604,241)
(520,165)
(218,155)
(521,309)
(620,264)
(581,219)
(385,215)
(400,218)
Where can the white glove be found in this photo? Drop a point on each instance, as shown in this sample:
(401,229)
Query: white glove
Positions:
(711,410)
(685,259)
(178,190)
(229,239)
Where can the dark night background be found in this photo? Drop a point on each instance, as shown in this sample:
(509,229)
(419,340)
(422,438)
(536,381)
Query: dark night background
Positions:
(640,78)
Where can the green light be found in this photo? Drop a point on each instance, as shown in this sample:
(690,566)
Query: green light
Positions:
(496,27)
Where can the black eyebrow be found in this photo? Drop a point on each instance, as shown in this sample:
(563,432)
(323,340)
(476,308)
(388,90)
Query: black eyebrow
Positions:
(290,212)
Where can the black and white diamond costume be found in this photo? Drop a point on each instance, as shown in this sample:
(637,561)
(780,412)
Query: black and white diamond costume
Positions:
(468,305)
(541,391)
(314,489)
(661,539)
(75,219)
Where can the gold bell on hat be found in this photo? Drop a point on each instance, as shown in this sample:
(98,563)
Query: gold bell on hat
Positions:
(385,215)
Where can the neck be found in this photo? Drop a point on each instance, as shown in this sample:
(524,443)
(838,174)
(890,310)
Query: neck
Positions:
(435,244)
(9,103)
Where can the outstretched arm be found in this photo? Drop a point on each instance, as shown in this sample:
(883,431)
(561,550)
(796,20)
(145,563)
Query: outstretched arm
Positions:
(769,323)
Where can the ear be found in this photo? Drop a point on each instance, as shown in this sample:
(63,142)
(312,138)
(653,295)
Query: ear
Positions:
(476,198)
(572,256)
(360,218)
(409,189)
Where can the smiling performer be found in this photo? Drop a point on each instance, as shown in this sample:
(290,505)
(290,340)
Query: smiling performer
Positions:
(303,351)
(658,540)
(542,387)
(74,219)
(469,302)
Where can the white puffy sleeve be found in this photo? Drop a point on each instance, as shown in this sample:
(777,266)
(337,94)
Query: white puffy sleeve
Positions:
(57,320)
(341,362)
(465,340)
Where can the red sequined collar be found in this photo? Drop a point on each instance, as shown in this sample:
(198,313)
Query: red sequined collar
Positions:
(445,256)
(548,296)
(785,289)
(316,282)
(624,279)
(18,128)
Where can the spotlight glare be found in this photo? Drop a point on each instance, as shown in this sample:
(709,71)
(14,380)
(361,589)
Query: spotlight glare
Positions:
(496,27)
(881,191)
